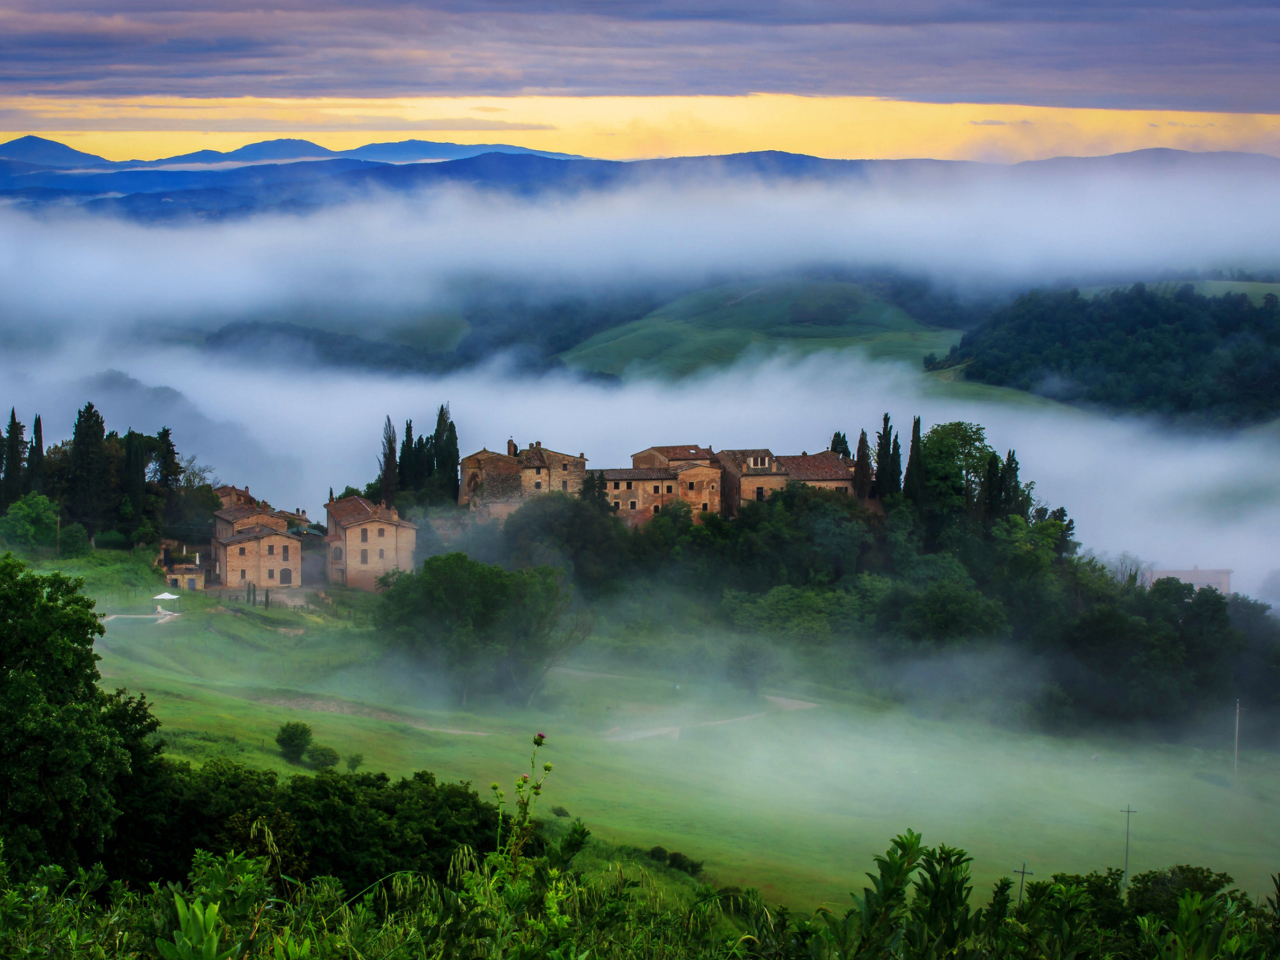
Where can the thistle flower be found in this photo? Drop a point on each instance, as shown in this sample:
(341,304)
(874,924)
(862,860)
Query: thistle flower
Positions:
(539,739)
(524,777)
(546,767)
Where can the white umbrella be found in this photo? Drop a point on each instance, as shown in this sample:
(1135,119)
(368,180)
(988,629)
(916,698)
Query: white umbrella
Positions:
(165,596)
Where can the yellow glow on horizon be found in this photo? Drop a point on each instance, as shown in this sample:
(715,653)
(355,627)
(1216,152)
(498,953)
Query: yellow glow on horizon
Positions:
(635,127)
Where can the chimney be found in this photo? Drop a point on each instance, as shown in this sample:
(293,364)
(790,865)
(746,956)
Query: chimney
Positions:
(539,444)
(511,448)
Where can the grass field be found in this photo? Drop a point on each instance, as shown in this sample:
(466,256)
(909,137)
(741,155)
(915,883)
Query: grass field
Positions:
(718,325)
(789,791)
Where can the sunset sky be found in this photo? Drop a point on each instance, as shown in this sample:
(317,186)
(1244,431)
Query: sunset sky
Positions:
(975,79)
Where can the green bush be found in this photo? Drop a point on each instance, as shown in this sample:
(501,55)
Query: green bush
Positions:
(74,541)
(560,811)
(293,741)
(354,761)
(322,757)
(30,522)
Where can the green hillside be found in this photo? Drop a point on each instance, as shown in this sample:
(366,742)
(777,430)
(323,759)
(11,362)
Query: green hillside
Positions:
(1206,288)
(715,326)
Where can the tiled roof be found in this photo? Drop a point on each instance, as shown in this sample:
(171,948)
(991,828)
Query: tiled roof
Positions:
(232,514)
(649,473)
(351,510)
(484,455)
(742,458)
(693,465)
(815,466)
(690,451)
(531,457)
(256,532)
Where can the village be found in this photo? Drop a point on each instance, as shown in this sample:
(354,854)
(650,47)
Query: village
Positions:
(256,548)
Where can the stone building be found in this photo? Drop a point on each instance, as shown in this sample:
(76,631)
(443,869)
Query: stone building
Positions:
(755,474)
(826,470)
(366,540)
(234,497)
(659,476)
(495,485)
(260,554)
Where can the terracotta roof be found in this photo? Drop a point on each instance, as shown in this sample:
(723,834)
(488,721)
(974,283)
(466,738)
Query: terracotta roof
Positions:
(531,457)
(815,466)
(690,451)
(742,458)
(351,510)
(692,465)
(257,532)
(232,514)
(648,473)
(484,455)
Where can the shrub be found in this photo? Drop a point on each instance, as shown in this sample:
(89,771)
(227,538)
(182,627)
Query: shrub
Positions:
(659,853)
(322,757)
(678,861)
(293,740)
(74,541)
(560,811)
(354,760)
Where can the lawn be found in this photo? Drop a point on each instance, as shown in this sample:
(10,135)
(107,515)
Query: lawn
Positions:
(791,791)
(719,325)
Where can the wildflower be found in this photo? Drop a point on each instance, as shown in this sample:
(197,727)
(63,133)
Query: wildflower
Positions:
(524,777)
(539,739)
(546,767)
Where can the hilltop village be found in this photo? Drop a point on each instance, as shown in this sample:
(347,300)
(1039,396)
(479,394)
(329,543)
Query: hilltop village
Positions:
(257,547)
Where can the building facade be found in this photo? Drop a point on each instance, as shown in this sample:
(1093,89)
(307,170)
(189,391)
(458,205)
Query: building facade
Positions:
(258,554)
(365,541)
(495,485)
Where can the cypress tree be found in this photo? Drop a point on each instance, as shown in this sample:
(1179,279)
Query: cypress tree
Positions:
(992,489)
(913,480)
(86,477)
(388,474)
(862,468)
(135,473)
(14,442)
(168,466)
(894,479)
(884,451)
(840,444)
(1013,498)
(35,458)
(447,462)
(407,451)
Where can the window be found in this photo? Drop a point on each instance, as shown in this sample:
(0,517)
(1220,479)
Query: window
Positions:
(286,553)
(633,504)
(382,531)
(337,553)
(669,488)
(690,484)
(564,484)
(704,508)
(713,486)
(286,576)
(655,508)
(656,488)
(271,549)
(364,556)
(538,471)
(271,574)
(382,554)
(241,574)
(615,485)
(242,551)
(759,493)
(616,505)
(537,484)
(364,534)
(628,484)
(564,466)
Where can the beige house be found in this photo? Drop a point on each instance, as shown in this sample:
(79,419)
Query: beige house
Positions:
(258,554)
(365,541)
(495,485)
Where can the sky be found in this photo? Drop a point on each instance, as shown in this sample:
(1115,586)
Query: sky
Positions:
(975,79)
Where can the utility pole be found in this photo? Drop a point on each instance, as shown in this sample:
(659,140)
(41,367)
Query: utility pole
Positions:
(1128,813)
(1023,874)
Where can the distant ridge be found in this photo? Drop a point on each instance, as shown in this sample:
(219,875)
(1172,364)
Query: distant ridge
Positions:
(48,153)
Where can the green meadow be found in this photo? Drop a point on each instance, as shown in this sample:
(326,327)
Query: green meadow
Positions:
(718,325)
(792,791)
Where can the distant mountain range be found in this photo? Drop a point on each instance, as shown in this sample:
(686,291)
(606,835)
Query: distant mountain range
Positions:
(297,175)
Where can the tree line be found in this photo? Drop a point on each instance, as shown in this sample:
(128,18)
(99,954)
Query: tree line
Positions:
(415,472)
(1203,359)
(132,488)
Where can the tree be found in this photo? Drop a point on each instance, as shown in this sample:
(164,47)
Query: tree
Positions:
(322,757)
(58,758)
(888,460)
(88,487)
(407,466)
(35,458)
(862,468)
(389,474)
(74,541)
(168,465)
(354,761)
(913,482)
(595,491)
(293,739)
(840,444)
(29,522)
(12,482)
(445,449)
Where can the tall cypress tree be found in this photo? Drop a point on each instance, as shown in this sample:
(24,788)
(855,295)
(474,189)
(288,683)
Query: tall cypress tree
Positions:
(447,461)
(913,481)
(992,491)
(14,446)
(407,465)
(87,491)
(35,458)
(862,468)
(884,450)
(168,465)
(135,474)
(389,476)
(840,444)
(895,468)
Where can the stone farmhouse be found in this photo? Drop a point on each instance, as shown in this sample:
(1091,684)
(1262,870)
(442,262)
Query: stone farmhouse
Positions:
(253,545)
(495,485)
(365,541)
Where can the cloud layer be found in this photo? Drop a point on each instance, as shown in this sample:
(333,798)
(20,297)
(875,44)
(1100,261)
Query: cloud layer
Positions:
(1203,56)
